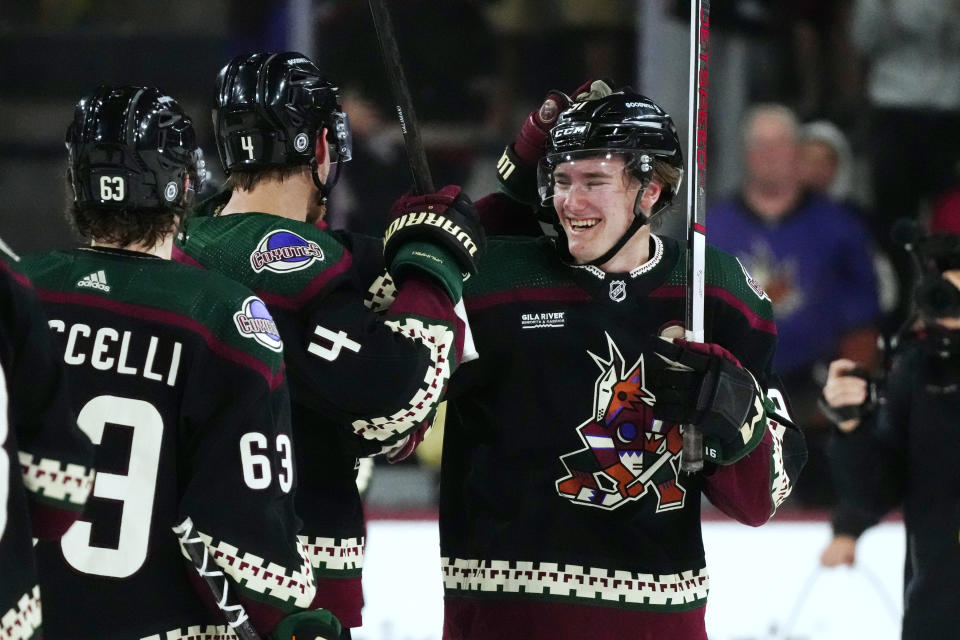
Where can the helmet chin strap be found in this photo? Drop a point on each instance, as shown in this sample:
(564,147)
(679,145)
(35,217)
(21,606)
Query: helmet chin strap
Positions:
(318,157)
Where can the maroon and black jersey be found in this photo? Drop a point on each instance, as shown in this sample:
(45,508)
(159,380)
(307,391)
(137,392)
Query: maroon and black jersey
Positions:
(46,462)
(361,382)
(177,378)
(564,514)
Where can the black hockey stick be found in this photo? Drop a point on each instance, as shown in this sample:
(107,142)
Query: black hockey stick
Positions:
(217,582)
(422,180)
(692,459)
(412,142)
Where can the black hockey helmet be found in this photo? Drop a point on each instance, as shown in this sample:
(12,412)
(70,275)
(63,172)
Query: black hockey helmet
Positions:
(133,148)
(622,123)
(269,109)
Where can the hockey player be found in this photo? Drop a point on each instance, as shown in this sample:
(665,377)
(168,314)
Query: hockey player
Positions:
(46,462)
(360,383)
(177,378)
(563,511)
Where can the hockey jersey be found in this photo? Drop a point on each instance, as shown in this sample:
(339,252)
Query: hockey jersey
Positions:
(360,383)
(46,462)
(563,511)
(177,378)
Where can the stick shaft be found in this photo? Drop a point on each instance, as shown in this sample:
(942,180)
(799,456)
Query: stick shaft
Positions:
(692,459)
(216,580)
(416,155)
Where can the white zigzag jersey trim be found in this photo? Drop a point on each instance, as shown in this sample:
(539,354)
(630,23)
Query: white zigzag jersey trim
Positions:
(600,274)
(196,632)
(337,554)
(575,582)
(267,578)
(381,294)
(780,486)
(47,477)
(439,340)
(20,622)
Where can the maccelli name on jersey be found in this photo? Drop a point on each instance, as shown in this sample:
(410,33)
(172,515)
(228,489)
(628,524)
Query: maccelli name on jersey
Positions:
(125,352)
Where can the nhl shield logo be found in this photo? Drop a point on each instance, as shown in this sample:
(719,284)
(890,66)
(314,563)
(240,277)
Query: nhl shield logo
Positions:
(281,251)
(254,321)
(618,290)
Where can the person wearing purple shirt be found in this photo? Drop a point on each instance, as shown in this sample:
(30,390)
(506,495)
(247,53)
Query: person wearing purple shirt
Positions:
(810,254)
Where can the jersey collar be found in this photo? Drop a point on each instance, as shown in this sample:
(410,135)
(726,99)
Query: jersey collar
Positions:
(656,253)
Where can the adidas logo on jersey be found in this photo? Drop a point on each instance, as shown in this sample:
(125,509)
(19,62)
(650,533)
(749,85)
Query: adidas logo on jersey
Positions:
(96,280)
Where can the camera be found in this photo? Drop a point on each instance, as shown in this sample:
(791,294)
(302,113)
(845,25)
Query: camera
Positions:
(932,254)
(935,296)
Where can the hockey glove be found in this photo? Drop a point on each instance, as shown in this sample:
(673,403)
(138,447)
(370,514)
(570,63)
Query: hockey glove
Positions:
(318,624)
(703,384)
(438,234)
(517,167)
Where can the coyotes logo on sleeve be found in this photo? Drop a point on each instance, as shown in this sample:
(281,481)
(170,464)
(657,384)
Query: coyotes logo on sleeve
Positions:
(628,453)
(281,251)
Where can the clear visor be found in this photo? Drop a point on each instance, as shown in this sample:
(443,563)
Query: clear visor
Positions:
(634,162)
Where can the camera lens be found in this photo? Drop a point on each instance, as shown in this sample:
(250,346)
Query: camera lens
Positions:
(937,298)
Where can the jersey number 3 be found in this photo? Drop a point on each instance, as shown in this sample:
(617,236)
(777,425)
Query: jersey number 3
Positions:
(134,490)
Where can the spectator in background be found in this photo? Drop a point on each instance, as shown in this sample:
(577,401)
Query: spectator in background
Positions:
(912,52)
(826,163)
(810,255)
(827,168)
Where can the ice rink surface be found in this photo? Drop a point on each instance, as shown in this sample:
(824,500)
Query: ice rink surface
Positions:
(766,583)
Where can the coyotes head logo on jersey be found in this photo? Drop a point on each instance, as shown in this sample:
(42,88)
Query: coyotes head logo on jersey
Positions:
(628,453)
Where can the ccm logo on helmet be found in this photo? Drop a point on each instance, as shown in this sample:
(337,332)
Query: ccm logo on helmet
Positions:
(569,131)
(434,220)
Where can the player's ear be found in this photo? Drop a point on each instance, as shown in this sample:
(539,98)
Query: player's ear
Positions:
(321,147)
(651,194)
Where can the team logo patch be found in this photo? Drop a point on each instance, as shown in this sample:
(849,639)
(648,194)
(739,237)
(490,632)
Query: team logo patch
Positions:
(628,454)
(753,283)
(170,191)
(254,321)
(283,251)
(300,142)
